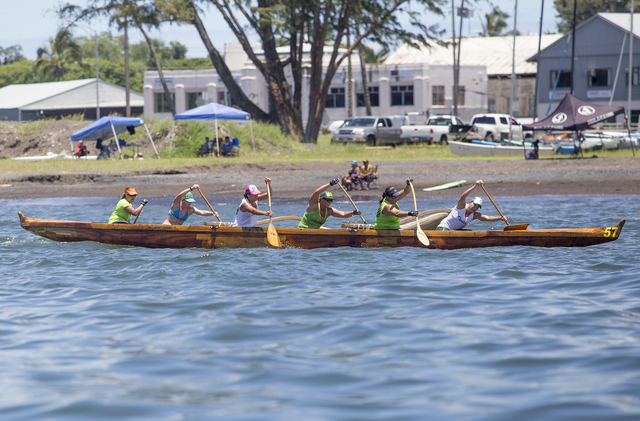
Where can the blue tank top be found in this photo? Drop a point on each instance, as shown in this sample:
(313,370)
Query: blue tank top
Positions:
(176,213)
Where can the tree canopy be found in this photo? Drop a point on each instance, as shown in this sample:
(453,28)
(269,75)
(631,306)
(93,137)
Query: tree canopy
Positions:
(586,9)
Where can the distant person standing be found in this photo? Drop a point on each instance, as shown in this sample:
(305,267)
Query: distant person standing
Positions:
(464,213)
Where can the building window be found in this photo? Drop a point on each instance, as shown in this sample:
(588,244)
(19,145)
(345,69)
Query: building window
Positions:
(437,96)
(162,106)
(635,80)
(491,105)
(565,79)
(374,96)
(461,95)
(402,95)
(194,99)
(598,77)
(335,98)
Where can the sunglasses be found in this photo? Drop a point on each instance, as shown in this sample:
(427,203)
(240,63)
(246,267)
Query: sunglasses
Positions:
(132,195)
(328,200)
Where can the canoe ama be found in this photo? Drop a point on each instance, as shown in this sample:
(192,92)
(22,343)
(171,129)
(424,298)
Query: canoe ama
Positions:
(446,186)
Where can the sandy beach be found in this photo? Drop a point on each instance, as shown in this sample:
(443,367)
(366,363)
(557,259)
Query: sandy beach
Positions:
(593,176)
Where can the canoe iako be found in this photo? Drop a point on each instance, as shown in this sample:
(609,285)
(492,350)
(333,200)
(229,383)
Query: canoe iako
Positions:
(219,235)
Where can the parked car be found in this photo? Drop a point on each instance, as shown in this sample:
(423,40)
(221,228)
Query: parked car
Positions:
(334,126)
(384,130)
(435,130)
(492,126)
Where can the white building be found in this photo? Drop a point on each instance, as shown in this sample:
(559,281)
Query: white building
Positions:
(394,89)
(32,101)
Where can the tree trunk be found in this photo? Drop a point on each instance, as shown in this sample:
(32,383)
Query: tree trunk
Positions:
(363,70)
(127,83)
(167,94)
(225,74)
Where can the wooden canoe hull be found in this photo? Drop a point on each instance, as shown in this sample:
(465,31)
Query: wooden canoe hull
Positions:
(210,237)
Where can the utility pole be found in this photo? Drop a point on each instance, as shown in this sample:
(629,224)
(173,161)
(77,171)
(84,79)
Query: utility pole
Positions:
(97,84)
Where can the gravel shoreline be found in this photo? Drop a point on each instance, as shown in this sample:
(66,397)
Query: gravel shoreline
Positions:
(591,176)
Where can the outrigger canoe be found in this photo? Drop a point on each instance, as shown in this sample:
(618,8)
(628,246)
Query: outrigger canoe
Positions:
(221,236)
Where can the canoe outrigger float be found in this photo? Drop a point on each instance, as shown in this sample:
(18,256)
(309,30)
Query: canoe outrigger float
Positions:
(218,235)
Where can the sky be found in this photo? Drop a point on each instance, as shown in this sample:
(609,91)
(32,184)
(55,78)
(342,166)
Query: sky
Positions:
(30,23)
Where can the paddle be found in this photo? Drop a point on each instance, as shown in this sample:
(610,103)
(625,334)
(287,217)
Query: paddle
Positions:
(137,216)
(272,235)
(354,205)
(509,227)
(280,218)
(422,237)
(210,207)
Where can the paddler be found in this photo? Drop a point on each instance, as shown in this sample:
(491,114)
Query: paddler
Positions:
(124,210)
(319,208)
(181,208)
(389,213)
(247,213)
(464,213)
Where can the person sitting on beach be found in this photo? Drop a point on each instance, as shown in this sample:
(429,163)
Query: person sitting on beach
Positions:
(247,213)
(366,174)
(124,210)
(351,179)
(464,213)
(181,208)
(389,213)
(319,208)
(81,150)
(206,147)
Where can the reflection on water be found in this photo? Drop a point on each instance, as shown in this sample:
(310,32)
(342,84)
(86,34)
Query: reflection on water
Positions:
(97,331)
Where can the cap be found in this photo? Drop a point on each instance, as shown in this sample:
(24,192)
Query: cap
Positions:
(131,191)
(80,141)
(326,195)
(365,160)
(251,189)
(188,197)
(477,201)
(393,193)
(354,162)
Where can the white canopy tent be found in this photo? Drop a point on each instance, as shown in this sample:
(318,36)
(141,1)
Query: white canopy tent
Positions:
(213,111)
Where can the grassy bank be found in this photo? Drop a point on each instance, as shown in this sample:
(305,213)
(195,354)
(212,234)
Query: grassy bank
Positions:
(271,145)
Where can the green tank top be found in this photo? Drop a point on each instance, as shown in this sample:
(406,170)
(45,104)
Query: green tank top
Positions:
(119,214)
(386,222)
(313,219)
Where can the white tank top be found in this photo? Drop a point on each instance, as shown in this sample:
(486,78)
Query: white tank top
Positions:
(245,219)
(457,220)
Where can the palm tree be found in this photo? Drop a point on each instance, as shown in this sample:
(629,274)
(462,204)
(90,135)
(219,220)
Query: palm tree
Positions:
(62,51)
(494,23)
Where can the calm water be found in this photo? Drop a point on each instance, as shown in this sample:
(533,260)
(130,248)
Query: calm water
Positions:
(92,331)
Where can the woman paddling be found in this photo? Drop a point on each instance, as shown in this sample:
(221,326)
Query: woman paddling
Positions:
(181,208)
(319,208)
(464,212)
(247,213)
(389,213)
(124,210)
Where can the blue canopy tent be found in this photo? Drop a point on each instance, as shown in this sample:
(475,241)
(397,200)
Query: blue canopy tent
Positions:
(108,126)
(213,111)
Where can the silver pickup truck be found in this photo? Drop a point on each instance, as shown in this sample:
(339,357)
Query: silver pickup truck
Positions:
(373,131)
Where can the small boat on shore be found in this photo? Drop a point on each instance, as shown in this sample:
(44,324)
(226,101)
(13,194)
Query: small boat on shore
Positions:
(222,236)
(483,148)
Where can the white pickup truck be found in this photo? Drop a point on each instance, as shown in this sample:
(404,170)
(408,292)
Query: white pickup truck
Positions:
(491,126)
(436,130)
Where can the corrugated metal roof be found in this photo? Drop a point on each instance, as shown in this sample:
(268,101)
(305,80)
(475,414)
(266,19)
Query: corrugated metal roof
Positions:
(493,52)
(623,20)
(17,96)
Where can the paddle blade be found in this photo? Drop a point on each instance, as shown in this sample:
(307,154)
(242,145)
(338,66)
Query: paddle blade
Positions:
(519,227)
(422,237)
(272,236)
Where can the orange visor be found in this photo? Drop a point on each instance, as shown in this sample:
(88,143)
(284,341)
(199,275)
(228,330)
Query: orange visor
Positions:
(131,191)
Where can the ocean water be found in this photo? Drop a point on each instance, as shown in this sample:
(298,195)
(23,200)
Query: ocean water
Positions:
(93,331)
